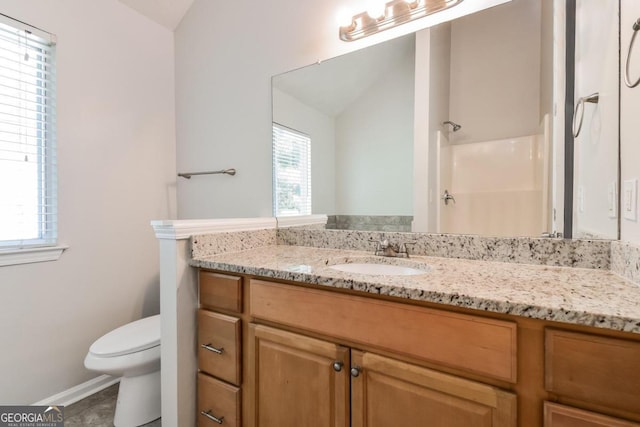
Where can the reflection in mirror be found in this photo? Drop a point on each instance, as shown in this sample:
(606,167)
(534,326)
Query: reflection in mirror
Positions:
(596,144)
(448,130)
(492,74)
(358,111)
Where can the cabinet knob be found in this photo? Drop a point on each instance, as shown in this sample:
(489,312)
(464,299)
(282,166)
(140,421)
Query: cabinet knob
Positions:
(212,417)
(212,348)
(337,366)
(355,371)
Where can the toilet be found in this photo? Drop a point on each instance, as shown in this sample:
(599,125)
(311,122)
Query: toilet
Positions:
(132,352)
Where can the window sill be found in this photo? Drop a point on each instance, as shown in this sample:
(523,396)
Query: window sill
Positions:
(30,255)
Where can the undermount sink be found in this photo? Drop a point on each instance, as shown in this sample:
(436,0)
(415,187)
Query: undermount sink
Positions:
(379,269)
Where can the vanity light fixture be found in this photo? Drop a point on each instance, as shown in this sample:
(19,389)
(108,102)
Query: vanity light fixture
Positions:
(395,12)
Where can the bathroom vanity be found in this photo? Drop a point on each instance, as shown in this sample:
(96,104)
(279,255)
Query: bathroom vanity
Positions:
(286,340)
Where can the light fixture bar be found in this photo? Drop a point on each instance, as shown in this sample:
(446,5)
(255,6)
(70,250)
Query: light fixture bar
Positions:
(396,12)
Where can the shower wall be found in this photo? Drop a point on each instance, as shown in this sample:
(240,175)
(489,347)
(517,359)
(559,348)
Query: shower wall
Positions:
(498,186)
(498,86)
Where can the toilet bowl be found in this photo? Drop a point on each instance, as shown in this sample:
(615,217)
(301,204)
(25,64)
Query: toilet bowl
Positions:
(132,352)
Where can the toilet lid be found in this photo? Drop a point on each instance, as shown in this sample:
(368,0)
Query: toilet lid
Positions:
(130,338)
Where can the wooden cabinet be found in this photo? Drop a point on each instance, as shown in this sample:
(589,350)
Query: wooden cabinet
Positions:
(219,346)
(219,351)
(590,369)
(387,392)
(593,369)
(220,291)
(297,380)
(289,351)
(564,416)
(471,343)
(317,375)
(218,403)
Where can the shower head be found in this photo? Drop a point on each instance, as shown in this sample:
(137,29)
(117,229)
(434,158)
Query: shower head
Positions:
(456,127)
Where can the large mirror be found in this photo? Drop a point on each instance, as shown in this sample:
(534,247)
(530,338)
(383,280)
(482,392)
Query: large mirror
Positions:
(596,97)
(457,128)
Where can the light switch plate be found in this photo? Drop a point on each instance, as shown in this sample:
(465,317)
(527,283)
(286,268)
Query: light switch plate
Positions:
(612,199)
(630,199)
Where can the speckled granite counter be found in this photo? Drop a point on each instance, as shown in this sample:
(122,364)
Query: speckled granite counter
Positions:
(591,297)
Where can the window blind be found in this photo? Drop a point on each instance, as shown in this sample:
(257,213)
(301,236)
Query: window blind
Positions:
(28,179)
(291,172)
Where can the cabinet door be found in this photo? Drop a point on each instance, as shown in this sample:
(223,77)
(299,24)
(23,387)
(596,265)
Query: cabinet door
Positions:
(387,393)
(297,381)
(564,416)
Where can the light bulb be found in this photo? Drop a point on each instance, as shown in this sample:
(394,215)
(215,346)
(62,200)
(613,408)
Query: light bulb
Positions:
(344,17)
(376,9)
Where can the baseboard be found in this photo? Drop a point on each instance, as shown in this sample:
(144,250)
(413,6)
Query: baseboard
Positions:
(79,392)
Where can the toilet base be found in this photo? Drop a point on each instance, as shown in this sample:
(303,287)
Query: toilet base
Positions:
(138,400)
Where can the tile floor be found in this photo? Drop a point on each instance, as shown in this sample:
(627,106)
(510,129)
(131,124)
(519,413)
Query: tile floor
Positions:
(96,410)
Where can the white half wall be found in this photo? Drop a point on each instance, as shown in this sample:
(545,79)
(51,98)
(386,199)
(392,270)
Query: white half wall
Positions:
(116,165)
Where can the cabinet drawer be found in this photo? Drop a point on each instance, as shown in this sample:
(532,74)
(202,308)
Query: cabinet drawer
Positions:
(593,369)
(471,343)
(219,400)
(221,335)
(565,416)
(220,291)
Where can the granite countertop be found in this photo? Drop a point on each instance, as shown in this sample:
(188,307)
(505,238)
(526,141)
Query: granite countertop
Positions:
(582,296)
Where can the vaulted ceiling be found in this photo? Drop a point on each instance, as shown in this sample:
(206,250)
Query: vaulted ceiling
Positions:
(168,13)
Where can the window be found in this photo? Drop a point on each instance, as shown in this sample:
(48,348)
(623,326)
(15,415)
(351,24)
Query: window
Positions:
(28,191)
(291,172)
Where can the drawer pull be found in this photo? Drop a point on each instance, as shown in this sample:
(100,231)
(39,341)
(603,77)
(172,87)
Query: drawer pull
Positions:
(212,348)
(212,418)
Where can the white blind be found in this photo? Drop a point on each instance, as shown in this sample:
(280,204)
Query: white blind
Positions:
(28,179)
(291,172)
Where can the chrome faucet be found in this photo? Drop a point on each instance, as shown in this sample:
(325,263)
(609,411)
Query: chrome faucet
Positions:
(385,248)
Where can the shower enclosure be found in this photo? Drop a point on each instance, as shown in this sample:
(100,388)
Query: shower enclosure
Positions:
(486,133)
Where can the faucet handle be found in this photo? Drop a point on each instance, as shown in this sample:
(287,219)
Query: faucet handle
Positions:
(403,248)
(379,245)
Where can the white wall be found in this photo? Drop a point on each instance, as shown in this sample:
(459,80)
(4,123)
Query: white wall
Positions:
(596,147)
(116,166)
(439,106)
(629,112)
(495,75)
(226,53)
(374,147)
(432,68)
(290,112)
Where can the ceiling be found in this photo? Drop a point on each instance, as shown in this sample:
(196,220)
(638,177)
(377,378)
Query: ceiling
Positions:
(334,84)
(167,13)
